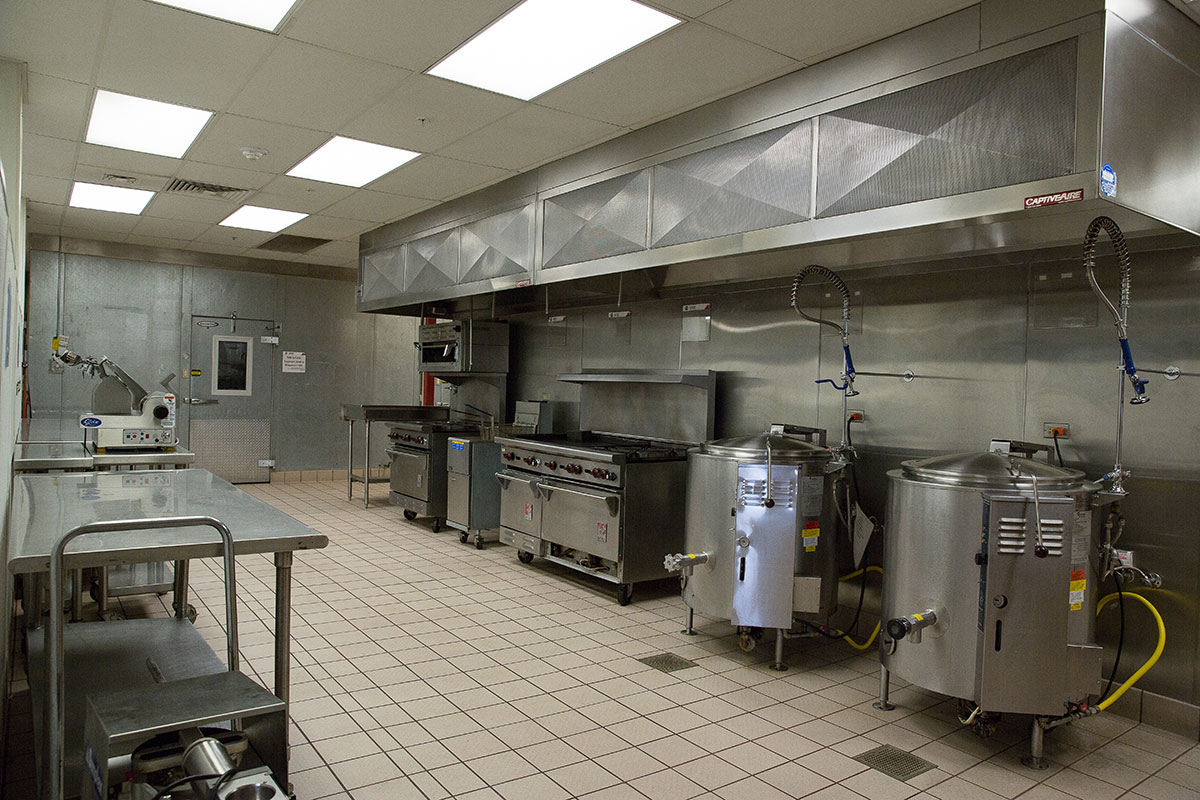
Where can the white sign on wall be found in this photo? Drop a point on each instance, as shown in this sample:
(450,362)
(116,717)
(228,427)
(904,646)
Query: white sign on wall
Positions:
(294,361)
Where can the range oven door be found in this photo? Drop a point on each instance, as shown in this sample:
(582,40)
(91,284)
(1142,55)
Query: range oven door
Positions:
(520,503)
(583,518)
(439,357)
(410,472)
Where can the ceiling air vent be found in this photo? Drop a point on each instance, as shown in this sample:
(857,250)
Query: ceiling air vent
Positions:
(194,188)
(287,243)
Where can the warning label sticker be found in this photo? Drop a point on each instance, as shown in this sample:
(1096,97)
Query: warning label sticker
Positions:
(812,533)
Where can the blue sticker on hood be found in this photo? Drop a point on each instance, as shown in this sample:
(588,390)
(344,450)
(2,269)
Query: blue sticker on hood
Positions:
(1108,181)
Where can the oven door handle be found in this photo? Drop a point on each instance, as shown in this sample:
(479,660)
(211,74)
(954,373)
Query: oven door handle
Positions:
(612,501)
(506,480)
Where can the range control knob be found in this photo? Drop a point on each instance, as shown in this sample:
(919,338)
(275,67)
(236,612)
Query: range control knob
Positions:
(598,473)
(509,456)
(551,465)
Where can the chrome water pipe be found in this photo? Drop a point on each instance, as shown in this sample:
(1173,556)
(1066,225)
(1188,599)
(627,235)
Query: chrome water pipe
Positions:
(1120,317)
(848,374)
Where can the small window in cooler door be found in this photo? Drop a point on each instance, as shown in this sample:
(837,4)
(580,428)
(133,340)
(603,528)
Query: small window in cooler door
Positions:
(233,365)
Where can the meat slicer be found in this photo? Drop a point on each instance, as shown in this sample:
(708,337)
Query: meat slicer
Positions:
(124,415)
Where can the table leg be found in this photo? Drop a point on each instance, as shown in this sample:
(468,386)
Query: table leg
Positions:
(181,589)
(367,466)
(102,592)
(350,462)
(76,595)
(283,625)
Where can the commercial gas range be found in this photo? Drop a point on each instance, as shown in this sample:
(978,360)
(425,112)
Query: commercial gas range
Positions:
(606,504)
(418,473)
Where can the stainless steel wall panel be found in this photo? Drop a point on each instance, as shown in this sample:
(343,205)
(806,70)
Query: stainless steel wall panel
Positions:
(1008,122)
(1150,126)
(230,448)
(604,219)
(499,245)
(382,273)
(757,182)
(431,262)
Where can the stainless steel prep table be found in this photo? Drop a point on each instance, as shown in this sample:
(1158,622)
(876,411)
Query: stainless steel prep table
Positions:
(46,507)
(368,414)
(52,428)
(51,457)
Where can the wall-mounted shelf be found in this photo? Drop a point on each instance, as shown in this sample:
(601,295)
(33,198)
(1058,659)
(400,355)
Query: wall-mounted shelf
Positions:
(701,379)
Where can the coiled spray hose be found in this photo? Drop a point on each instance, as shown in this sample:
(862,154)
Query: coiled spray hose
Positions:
(843,330)
(1120,315)
(1158,650)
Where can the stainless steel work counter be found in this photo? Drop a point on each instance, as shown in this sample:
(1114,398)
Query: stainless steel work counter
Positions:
(44,456)
(175,457)
(45,508)
(368,414)
(51,428)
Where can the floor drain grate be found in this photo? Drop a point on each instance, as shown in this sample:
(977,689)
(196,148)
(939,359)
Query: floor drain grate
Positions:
(894,762)
(667,662)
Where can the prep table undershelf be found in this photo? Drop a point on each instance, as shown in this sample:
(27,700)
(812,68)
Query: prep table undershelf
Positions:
(101,656)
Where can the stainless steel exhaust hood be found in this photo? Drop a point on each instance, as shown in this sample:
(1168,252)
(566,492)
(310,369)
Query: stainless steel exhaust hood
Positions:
(1004,127)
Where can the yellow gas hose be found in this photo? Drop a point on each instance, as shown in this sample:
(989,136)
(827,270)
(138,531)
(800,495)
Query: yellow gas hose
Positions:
(1162,642)
(865,645)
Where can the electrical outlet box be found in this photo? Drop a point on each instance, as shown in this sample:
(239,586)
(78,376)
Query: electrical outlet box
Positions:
(1049,429)
(856,415)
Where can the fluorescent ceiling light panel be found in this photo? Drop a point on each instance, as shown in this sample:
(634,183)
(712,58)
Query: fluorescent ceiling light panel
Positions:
(264,14)
(147,126)
(109,198)
(257,218)
(350,162)
(542,43)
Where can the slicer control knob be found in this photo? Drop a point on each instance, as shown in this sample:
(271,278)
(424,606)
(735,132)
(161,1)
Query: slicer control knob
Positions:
(161,412)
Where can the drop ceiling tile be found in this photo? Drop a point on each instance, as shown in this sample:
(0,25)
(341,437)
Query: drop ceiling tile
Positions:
(687,8)
(194,209)
(440,178)
(335,87)
(223,138)
(414,34)
(815,29)
(529,137)
(56,107)
(222,176)
(338,254)
(45,214)
(684,68)
(322,227)
(126,162)
(46,155)
(105,222)
(67,33)
(46,190)
(376,206)
(450,110)
(166,54)
(298,194)
(181,229)
(157,241)
(235,237)
(43,228)
(94,234)
(216,247)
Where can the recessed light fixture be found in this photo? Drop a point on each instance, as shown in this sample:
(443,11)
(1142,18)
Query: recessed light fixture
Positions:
(542,43)
(147,126)
(263,14)
(257,218)
(350,162)
(109,198)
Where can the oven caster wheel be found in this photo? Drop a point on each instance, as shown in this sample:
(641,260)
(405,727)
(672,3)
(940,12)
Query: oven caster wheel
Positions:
(524,556)
(478,542)
(437,525)
(462,537)
(410,515)
(748,638)
(625,594)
